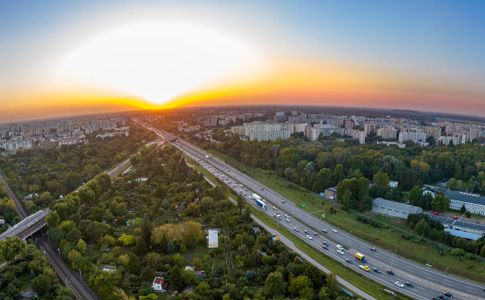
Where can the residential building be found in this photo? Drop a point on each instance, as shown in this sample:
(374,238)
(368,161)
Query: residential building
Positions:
(330,194)
(312,133)
(159,285)
(394,209)
(259,131)
(415,135)
(387,133)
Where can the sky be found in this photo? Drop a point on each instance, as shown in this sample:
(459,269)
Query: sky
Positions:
(75,57)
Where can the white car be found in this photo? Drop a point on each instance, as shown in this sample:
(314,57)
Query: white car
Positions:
(288,220)
(341,252)
(335,230)
(399,284)
(339,247)
(309,237)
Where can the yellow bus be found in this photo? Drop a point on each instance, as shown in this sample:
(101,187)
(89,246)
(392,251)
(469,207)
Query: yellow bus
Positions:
(360,257)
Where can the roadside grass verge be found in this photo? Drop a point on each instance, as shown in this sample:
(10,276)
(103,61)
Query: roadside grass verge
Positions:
(389,237)
(363,283)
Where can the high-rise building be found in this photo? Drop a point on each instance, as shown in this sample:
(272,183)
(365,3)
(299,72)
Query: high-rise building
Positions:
(387,133)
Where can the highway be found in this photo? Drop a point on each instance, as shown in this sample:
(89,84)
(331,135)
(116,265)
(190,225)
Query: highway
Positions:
(427,282)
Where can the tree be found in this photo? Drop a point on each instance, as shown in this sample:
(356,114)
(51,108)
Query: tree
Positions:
(87,195)
(463,209)
(415,196)
(440,203)
(11,247)
(44,283)
(422,227)
(381,180)
(274,285)
(323,294)
(45,198)
(299,283)
(52,219)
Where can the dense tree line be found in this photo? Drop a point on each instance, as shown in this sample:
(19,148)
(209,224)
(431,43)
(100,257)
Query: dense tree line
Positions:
(426,227)
(24,267)
(327,162)
(53,171)
(152,221)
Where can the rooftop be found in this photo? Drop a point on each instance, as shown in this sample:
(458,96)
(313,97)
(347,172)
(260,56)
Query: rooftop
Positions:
(410,209)
(465,197)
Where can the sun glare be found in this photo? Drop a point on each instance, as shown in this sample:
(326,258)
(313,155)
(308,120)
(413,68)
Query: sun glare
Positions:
(159,61)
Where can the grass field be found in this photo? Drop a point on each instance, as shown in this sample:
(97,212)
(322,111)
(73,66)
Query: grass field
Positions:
(387,237)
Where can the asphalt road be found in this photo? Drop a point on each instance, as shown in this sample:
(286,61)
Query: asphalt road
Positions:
(28,226)
(427,282)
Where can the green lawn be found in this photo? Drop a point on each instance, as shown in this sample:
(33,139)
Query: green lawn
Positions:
(388,238)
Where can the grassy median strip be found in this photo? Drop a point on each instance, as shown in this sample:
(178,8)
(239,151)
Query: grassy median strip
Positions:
(409,245)
(363,283)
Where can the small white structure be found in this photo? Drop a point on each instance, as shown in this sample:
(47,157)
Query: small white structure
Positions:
(213,238)
(393,184)
(109,268)
(159,285)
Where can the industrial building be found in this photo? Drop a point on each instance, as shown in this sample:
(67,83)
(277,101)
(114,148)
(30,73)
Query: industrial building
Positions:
(394,209)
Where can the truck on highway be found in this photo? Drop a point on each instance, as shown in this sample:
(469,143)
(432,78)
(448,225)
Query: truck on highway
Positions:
(261,203)
(257,197)
(360,257)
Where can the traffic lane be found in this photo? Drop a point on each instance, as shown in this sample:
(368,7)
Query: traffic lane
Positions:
(314,240)
(418,292)
(263,190)
(358,244)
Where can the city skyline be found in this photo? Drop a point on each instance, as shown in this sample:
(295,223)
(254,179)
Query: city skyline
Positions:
(73,58)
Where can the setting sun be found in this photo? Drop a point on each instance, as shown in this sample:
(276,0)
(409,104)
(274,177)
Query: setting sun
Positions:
(158,61)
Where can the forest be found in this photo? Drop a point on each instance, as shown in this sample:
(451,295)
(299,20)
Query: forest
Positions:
(153,221)
(50,172)
(331,162)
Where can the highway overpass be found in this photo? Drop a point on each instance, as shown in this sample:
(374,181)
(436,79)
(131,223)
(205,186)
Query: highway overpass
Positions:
(27,227)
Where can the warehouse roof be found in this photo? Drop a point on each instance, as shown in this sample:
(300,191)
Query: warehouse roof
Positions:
(403,207)
(465,197)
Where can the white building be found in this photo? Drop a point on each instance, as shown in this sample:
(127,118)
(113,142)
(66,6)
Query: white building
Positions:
(474,203)
(312,133)
(415,135)
(213,238)
(387,133)
(394,209)
(258,131)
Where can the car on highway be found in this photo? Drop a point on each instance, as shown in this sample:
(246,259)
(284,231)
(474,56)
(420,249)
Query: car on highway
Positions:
(306,231)
(390,272)
(399,284)
(325,247)
(341,252)
(373,249)
(315,234)
(448,294)
(348,260)
(377,270)
(323,230)
(364,268)
(407,283)
(339,247)
(325,243)
(287,220)
(283,201)
(309,237)
(296,229)
(455,218)
(335,230)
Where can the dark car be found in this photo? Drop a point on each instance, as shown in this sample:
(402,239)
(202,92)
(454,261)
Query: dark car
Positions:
(325,247)
(448,294)
(409,284)
(390,272)
(377,270)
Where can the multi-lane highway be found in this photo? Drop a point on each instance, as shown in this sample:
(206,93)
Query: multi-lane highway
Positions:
(427,283)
